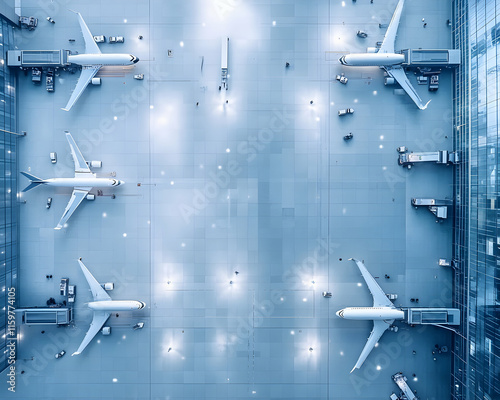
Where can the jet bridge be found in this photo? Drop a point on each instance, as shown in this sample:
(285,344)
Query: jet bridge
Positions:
(439,157)
(432,316)
(45,316)
(431,58)
(438,207)
(406,393)
(38,58)
(224,63)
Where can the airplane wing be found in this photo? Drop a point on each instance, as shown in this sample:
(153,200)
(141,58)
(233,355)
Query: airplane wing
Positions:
(90,44)
(88,72)
(76,198)
(379,327)
(399,75)
(98,293)
(80,164)
(379,297)
(390,35)
(100,318)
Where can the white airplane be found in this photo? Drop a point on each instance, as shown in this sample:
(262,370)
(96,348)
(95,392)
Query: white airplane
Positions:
(92,61)
(103,306)
(387,59)
(382,313)
(82,183)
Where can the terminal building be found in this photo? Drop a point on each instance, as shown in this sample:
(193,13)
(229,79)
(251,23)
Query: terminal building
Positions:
(476,236)
(9,223)
(193,345)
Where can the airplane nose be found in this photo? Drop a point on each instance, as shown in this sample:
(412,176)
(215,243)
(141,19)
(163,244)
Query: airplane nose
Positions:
(338,313)
(121,183)
(136,60)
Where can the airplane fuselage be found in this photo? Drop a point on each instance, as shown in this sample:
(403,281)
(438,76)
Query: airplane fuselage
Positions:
(116,305)
(372,59)
(102,59)
(91,181)
(371,313)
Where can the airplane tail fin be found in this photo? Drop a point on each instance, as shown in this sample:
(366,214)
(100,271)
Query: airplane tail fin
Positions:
(34,181)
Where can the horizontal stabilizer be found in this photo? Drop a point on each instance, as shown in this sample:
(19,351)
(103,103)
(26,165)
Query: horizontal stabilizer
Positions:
(34,181)
(32,185)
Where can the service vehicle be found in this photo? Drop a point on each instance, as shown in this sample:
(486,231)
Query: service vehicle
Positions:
(346,111)
(28,22)
(341,78)
(116,39)
(49,81)
(36,75)
(71,293)
(63,287)
(60,354)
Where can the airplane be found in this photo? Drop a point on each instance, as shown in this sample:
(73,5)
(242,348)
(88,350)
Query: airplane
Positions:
(103,306)
(382,313)
(387,59)
(91,61)
(82,183)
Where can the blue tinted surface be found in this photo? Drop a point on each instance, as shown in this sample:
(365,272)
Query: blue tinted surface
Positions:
(262,184)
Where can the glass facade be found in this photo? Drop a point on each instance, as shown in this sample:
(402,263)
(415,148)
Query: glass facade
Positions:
(9,210)
(477,224)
